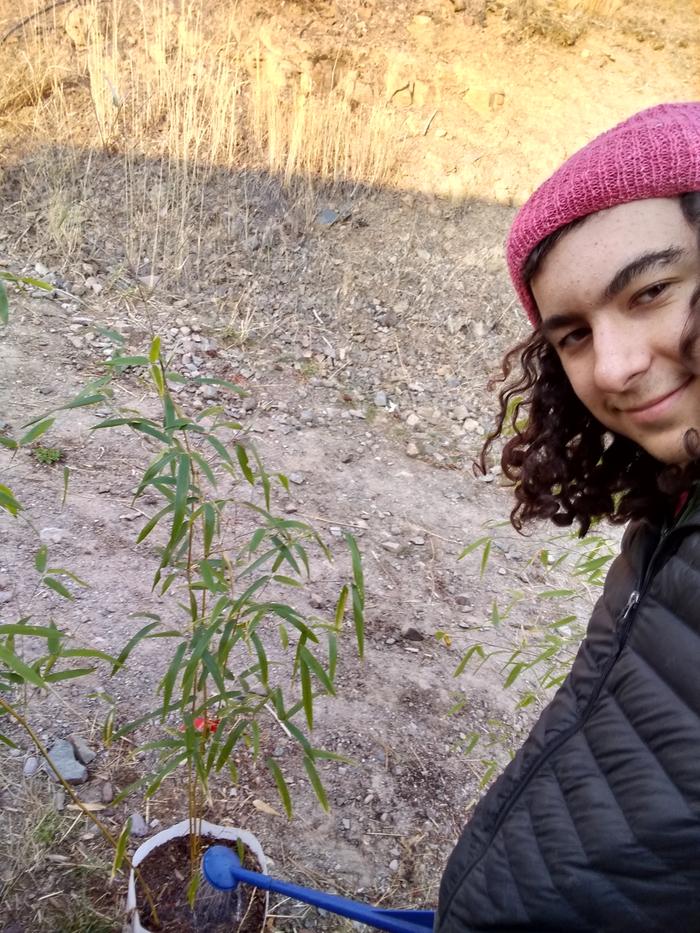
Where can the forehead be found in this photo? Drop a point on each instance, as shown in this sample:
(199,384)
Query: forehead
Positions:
(588,256)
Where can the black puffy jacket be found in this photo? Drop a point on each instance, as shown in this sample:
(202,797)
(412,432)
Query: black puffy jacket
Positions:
(595,824)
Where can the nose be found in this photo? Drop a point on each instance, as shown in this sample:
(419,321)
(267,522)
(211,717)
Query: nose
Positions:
(621,354)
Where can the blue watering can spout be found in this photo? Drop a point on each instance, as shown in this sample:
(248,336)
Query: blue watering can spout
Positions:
(222,870)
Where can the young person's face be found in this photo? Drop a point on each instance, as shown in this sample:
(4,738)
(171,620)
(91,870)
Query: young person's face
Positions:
(614,296)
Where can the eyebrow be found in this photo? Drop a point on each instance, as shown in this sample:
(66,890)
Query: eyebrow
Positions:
(618,283)
(643,263)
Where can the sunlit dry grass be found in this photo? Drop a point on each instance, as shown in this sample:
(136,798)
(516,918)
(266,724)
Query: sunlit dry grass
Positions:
(149,85)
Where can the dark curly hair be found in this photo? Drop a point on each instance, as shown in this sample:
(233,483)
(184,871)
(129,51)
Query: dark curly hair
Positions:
(563,463)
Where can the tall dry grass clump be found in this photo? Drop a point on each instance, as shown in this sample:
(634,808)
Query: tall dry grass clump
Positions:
(178,98)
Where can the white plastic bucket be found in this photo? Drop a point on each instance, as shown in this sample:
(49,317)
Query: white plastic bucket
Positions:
(211,831)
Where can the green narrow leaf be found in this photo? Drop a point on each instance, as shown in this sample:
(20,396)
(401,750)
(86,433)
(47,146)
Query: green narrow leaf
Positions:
(82,401)
(131,644)
(318,670)
(8,501)
(26,673)
(307,696)
(244,463)
(66,479)
(468,655)
(154,351)
(358,614)
(7,741)
(4,305)
(57,587)
(127,361)
(232,739)
(41,558)
(340,606)
(41,428)
(8,442)
(485,557)
(332,654)
(316,783)
(262,658)
(282,788)
(112,335)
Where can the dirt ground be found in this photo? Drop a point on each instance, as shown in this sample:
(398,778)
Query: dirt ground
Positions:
(366,346)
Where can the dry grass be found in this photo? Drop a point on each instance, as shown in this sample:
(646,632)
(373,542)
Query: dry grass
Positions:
(54,877)
(174,102)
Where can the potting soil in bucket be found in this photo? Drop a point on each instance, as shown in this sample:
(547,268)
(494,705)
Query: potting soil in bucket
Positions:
(166,871)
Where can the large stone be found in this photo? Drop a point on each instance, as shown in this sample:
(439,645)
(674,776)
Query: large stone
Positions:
(63,758)
(82,750)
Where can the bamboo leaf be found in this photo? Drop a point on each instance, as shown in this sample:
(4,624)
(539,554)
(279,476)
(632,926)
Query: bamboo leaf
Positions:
(66,478)
(282,788)
(57,587)
(117,361)
(318,670)
(244,463)
(131,644)
(26,673)
(8,501)
(120,848)
(316,783)
(307,697)
(4,305)
(41,428)
(262,658)
(41,559)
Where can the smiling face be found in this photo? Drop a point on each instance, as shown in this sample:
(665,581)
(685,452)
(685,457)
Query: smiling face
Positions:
(614,295)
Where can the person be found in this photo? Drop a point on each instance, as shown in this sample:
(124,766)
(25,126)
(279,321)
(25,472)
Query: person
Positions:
(595,823)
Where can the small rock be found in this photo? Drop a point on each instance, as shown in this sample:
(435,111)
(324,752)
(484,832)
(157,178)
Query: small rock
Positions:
(472,426)
(139,827)
(315,601)
(52,535)
(327,217)
(412,634)
(107,792)
(463,599)
(250,403)
(296,478)
(82,750)
(5,597)
(346,824)
(413,420)
(94,284)
(336,531)
(459,413)
(210,392)
(394,864)
(417,540)
(392,546)
(41,269)
(31,766)
(76,342)
(59,799)
(412,450)
(63,758)
(380,399)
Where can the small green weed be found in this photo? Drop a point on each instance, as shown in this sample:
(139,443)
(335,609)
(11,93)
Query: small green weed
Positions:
(48,455)
(47,829)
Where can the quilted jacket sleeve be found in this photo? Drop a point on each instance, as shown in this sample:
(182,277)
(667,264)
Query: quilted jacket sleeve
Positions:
(594,827)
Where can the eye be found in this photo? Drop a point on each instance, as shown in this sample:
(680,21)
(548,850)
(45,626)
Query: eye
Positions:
(650,294)
(572,338)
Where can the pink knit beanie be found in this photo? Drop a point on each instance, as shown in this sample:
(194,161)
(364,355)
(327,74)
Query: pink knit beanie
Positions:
(654,154)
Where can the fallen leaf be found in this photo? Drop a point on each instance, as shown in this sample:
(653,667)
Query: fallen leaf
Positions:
(265,808)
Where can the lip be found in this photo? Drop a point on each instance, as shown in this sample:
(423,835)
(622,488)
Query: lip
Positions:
(658,407)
